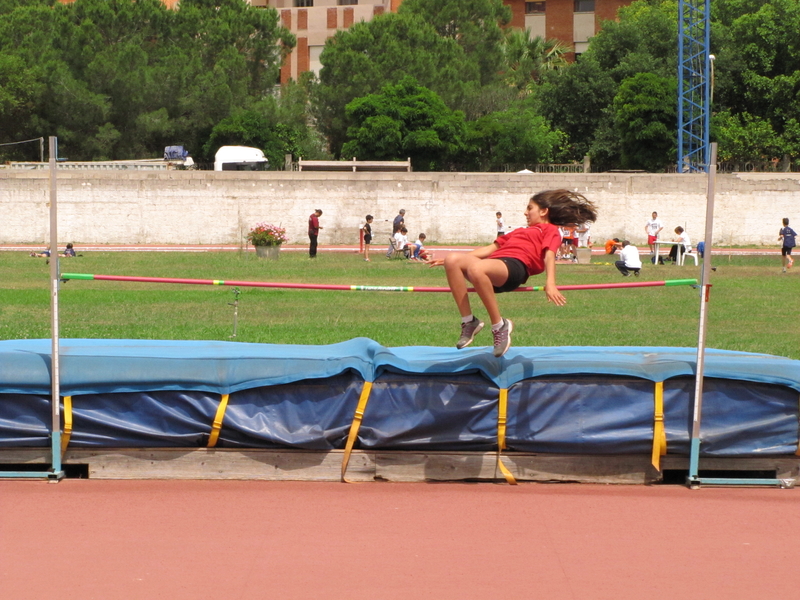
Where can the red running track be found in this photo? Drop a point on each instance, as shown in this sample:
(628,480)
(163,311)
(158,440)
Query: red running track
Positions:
(177,540)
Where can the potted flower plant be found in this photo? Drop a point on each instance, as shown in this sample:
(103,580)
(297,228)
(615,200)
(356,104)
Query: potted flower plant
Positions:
(267,239)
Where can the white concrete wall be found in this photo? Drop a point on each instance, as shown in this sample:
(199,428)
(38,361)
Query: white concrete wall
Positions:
(220,207)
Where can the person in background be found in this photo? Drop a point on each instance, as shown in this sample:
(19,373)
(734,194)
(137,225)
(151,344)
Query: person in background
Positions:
(419,248)
(501,225)
(628,260)
(613,245)
(584,237)
(69,251)
(313,232)
(42,254)
(787,235)
(653,227)
(401,242)
(367,227)
(678,249)
(399,221)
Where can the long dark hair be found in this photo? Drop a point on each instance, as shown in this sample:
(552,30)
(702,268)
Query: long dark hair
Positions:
(566,207)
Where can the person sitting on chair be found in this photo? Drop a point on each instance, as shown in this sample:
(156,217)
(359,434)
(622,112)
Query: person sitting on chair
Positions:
(678,250)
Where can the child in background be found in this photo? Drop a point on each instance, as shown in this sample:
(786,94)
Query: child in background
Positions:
(787,235)
(613,245)
(401,241)
(501,225)
(584,235)
(506,264)
(367,228)
(69,251)
(419,248)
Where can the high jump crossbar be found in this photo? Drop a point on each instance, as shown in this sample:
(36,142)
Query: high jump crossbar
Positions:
(361,288)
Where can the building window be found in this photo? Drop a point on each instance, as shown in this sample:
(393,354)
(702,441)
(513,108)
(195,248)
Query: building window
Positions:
(534,8)
(584,5)
(348,2)
(303,3)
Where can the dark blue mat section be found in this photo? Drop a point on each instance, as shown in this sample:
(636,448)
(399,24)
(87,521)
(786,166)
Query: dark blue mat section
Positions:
(435,412)
(314,414)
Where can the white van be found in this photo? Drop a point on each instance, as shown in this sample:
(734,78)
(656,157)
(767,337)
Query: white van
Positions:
(240,158)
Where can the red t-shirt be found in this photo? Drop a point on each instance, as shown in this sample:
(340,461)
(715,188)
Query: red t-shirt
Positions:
(313,224)
(529,245)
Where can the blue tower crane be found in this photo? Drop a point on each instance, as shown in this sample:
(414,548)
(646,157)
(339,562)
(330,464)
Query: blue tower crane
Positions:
(695,81)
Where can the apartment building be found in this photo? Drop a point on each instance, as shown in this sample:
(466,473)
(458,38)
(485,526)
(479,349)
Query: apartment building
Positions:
(313,21)
(571,21)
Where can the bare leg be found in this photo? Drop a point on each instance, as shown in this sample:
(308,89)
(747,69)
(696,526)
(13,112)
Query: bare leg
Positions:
(483,274)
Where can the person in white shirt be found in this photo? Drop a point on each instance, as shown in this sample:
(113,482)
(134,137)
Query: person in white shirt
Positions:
(401,241)
(501,225)
(653,227)
(685,244)
(584,237)
(628,260)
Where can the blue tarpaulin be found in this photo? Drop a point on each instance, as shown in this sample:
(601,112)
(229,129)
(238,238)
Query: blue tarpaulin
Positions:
(139,393)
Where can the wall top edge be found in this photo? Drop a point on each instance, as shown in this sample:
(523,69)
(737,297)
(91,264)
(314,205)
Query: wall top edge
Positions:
(568,179)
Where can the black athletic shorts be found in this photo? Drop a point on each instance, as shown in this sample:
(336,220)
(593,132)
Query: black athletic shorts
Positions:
(367,239)
(786,250)
(517,275)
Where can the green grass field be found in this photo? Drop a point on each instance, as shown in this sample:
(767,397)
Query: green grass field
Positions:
(754,307)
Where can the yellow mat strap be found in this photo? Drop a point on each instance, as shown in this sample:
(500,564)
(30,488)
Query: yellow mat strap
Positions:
(659,435)
(217,426)
(355,425)
(502,409)
(67,423)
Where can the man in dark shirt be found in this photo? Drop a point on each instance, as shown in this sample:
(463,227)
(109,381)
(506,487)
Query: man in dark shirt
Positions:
(313,232)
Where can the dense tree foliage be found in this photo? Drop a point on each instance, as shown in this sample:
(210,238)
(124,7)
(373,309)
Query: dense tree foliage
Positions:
(475,25)
(361,60)
(405,120)
(122,79)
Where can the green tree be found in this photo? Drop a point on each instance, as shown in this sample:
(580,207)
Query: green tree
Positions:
(645,114)
(757,45)
(579,99)
(405,120)
(369,55)
(122,79)
(476,25)
(512,140)
(576,101)
(743,137)
(526,58)
(278,125)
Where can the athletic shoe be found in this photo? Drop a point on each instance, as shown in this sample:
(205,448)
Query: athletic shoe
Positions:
(636,273)
(790,263)
(468,332)
(626,274)
(502,338)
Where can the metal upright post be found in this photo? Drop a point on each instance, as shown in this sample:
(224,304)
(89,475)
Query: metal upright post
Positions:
(55,394)
(55,473)
(705,290)
(694,480)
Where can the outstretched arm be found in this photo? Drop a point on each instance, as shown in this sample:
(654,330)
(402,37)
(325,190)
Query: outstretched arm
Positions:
(550,289)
